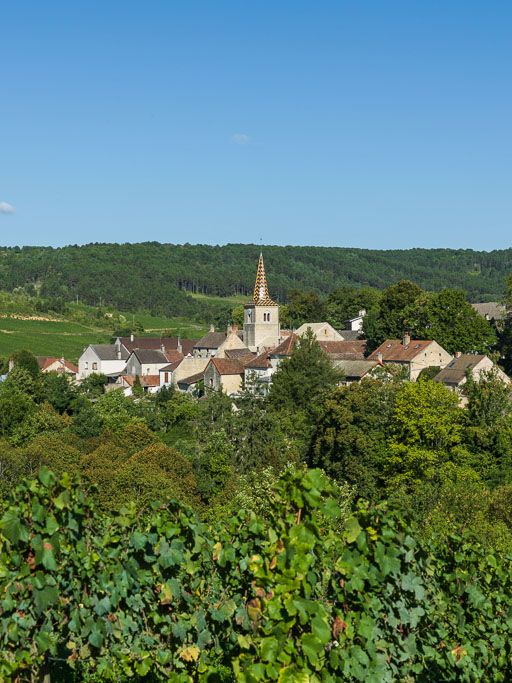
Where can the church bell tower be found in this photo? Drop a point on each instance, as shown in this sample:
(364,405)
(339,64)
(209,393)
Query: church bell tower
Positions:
(261,316)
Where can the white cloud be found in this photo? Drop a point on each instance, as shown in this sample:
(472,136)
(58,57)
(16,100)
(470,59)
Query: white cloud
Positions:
(240,139)
(5,207)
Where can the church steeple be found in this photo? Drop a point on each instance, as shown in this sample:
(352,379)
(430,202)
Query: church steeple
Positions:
(261,297)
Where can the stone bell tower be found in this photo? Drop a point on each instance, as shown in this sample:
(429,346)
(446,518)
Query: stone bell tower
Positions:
(261,316)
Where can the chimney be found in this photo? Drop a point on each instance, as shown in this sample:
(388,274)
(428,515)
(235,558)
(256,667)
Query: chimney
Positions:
(117,346)
(458,354)
(162,348)
(132,338)
(212,328)
(379,357)
(407,339)
(362,313)
(229,329)
(235,328)
(179,347)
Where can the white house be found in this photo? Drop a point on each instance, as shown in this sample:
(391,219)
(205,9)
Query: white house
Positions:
(146,362)
(104,359)
(356,324)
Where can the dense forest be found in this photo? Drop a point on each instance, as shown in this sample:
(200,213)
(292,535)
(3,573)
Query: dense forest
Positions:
(159,277)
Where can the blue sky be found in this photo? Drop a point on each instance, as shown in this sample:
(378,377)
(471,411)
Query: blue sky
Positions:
(382,124)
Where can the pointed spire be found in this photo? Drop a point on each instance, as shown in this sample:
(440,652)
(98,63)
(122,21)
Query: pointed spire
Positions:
(261,297)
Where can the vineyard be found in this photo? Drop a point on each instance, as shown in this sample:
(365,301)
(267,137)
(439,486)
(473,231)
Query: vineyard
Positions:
(307,592)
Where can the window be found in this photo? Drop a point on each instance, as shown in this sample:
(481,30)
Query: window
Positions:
(86,364)
(95,366)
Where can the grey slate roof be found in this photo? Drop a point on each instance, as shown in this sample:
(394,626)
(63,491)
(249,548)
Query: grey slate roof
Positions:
(491,310)
(150,356)
(350,335)
(212,340)
(193,379)
(156,343)
(109,352)
(355,369)
(456,370)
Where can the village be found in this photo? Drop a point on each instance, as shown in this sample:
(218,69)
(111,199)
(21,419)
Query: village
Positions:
(235,360)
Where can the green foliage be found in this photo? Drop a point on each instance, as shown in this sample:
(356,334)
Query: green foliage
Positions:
(447,317)
(345,302)
(303,377)
(26,360)
(350,440)
(93,386)
(306,593)
(302,307)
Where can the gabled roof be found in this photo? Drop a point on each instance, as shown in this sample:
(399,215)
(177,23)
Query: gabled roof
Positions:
(491,310)
(45,362)
(355,369)
(456,370)
(350,335)
(212,340)
(227,366)
(348,350)
(169,343)
(145,380)
(171,367)
(260,362)
(239,354)
(286,347)
(193,379)
(150,356)
(109,352)
(393,350)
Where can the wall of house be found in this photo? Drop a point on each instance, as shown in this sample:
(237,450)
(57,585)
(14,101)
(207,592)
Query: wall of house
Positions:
(133,365)
(89,363)
(433,356)
(258,380)
(211,378)
(231,384)
(188,367)
(233,341)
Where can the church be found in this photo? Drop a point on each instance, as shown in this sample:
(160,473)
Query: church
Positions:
(261,316)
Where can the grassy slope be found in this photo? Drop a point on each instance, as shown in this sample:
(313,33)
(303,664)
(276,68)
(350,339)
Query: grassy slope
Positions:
(67,336)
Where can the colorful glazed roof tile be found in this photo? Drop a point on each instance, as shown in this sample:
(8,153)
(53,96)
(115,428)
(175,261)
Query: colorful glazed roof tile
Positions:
(261,297)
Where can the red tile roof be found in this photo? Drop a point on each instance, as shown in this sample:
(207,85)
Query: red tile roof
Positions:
(259,362)
(285,348)
(45,362)
(145,380)
(227,366)
(393,350)
(345,350)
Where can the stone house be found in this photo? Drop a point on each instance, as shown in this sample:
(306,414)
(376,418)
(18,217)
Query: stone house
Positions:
(322,331)
(413,354)
(224,374)
(454,375)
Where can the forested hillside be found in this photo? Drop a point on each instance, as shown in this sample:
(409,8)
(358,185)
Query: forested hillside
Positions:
(158,277)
